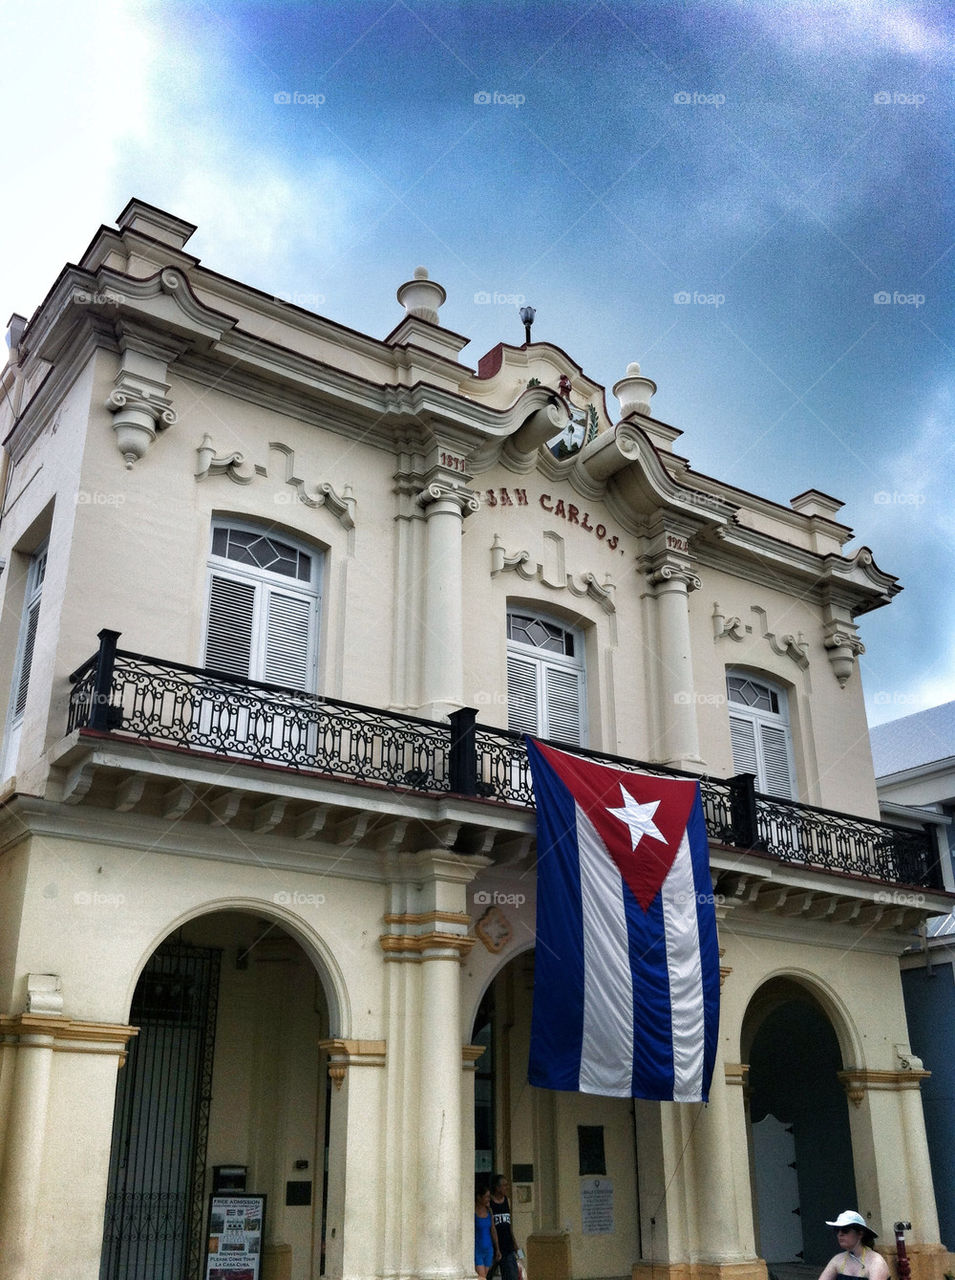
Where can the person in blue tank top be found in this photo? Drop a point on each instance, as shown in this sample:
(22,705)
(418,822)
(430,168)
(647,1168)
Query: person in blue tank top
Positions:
(486,1251)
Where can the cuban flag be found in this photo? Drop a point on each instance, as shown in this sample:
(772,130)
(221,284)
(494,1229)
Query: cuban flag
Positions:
(626,971)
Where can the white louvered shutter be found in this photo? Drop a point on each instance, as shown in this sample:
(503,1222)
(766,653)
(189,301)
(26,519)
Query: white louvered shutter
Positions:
(522,701)
(288,631)
(743,735)
(776,779)
(26,659)
(562,691)
(231,624)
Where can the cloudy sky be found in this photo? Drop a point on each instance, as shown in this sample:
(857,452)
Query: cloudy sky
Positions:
(753,199)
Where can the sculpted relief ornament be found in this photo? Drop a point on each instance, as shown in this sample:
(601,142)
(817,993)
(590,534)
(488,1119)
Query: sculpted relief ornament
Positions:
(241,471)
(551,571)
(140,409)
(794,647)
(840,640)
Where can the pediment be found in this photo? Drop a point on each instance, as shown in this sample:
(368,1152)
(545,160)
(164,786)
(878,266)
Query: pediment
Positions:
(166,298)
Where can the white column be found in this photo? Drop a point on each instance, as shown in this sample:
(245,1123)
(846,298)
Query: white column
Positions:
(439,1135)
(924,1216)
(23,1155)
(443,627)
(59,1130)
(722,1165)
(681,740)
(357,1191)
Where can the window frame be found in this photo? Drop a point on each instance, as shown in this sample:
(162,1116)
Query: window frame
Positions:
(544,661)
(266,583)
(762,720)
(23,662)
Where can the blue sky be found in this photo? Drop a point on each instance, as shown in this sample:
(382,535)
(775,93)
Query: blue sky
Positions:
(780,164)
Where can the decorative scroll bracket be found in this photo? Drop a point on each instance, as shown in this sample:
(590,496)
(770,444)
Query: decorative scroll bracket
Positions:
(522,563)
(794,647)
(140,409)
(241,471)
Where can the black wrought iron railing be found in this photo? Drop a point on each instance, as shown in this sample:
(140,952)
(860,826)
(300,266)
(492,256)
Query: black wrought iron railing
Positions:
(133,695)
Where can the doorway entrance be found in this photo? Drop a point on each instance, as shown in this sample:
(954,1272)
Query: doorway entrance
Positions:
(225,1072)
(155,1203)
(799,1112)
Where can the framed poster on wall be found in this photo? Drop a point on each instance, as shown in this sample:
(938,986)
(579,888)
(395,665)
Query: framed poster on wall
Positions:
(235,1235)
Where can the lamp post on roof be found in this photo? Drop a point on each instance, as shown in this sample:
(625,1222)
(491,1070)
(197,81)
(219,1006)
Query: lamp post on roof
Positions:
(527,319)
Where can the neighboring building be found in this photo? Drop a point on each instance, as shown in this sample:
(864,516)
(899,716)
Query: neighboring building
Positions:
(914,760)
(261,570)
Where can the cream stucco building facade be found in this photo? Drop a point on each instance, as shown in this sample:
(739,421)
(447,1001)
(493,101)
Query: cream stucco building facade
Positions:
(262,865)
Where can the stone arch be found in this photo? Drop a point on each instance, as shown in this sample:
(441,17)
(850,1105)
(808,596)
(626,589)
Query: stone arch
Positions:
(797,1035)
(475,990)
(781,984)
(226,1069)
(311,942)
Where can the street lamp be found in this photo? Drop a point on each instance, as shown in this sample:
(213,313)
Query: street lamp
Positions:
(527,318)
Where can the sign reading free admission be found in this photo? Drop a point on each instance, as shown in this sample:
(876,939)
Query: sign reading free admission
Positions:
(236,1228)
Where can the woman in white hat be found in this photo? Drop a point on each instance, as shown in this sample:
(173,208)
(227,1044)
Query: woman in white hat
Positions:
(857,1257)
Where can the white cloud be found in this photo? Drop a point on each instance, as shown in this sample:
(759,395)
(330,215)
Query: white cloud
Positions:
(854,28)
(74,93)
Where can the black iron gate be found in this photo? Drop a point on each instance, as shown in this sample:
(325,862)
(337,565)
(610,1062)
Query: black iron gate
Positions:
(155,1203)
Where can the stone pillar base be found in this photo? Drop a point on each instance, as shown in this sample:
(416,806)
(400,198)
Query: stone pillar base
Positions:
(755,1270)
(277,1262)
(548,1255)
(927,1261)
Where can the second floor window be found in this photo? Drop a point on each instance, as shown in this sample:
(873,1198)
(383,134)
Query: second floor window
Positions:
(264,597)
(545,678)
(759,729)
(28,630)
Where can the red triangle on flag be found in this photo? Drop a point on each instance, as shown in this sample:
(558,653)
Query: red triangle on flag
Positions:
(640,818)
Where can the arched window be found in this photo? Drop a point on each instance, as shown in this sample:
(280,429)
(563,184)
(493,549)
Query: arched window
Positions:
(545,677)
(264,596)
(23,667)
(759,728)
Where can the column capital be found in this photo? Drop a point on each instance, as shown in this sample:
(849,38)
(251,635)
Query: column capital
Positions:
(673,571)
(443,494)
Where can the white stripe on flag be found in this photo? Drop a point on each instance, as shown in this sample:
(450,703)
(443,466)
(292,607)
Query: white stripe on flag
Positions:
(606,1056)
(686,975)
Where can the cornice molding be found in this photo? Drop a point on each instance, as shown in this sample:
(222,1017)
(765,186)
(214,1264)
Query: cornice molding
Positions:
(66,1035)
(857,1081)
(426,946)
(343,1054)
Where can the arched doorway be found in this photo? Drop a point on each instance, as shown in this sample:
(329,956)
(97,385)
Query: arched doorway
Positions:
(225,1074)
(798,1110)
(571,1158)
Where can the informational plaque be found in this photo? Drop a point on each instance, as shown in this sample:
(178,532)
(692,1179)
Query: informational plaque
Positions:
(596,1206)
(236,1228)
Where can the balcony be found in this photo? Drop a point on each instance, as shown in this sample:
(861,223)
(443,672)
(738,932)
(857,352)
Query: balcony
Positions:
(131,696)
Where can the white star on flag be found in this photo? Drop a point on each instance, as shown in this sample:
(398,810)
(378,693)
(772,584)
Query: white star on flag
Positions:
(638,817)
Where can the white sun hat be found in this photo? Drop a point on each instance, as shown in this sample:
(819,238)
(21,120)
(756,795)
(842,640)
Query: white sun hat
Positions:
(849,1218)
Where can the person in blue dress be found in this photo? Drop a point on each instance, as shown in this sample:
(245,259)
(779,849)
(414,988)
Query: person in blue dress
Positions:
(486,1251)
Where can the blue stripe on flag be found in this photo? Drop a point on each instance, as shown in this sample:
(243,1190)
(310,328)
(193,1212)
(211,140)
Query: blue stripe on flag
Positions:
(557,1022)
(652,1028)
(709,941)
